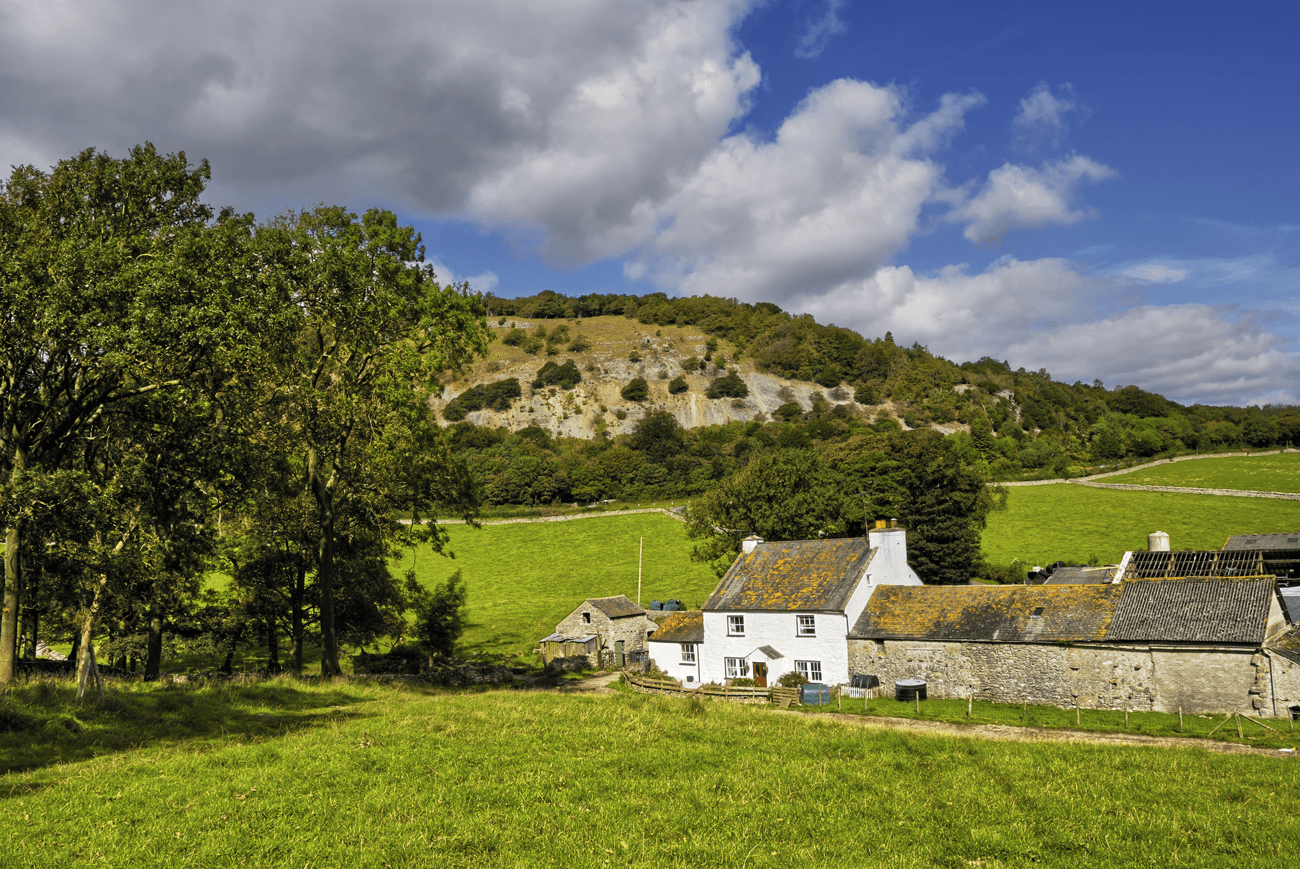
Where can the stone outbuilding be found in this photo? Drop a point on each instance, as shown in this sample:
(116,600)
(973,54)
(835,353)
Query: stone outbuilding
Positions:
(1197,643)
(608,631)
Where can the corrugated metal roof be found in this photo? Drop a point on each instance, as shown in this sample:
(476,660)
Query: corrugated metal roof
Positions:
(1213,562)
(681,627)
(1004,614)
(1193,610)
(616,607)
(794,575)
(1289,540)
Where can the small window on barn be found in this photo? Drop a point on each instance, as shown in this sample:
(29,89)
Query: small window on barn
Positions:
(1038,613)
(586,617)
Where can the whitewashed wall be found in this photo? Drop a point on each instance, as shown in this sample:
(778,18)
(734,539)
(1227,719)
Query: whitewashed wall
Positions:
(780,631)
(668,657)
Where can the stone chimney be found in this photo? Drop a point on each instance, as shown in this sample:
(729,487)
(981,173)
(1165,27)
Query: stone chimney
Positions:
(749,543)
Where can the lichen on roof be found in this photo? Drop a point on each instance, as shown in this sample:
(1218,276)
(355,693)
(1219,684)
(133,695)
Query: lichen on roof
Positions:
(686,626)
(1006,614)
(616,607)
(816,575)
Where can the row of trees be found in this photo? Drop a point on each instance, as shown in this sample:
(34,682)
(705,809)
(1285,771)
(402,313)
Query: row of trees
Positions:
(175,383)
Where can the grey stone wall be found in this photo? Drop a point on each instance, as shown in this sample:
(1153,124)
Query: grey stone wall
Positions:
(1098,676)
(1286,684)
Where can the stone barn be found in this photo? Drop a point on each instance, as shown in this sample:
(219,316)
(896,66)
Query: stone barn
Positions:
(608,631)
(1199,643)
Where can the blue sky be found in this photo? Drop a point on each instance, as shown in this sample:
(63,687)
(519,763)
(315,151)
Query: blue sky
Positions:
(1108,193)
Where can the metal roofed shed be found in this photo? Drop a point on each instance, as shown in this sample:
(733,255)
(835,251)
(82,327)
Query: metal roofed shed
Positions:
(1288,540)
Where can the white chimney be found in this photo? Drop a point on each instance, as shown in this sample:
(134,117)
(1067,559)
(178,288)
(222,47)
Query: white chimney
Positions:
(889,565)
(749,543)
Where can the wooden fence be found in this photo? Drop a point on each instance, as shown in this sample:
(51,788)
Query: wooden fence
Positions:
(783,697)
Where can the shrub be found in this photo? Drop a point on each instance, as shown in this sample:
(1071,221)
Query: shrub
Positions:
(440,617)
(693,363)
(636,390)
(743,682)
(634,356)
(677,385)
(866,395)
(515,337)
(728,386)
(791,680)
(565,376)
(533,345)
(788,411)
(491,396)
(579,345)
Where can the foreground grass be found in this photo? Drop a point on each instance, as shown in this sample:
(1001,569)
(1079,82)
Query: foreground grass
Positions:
(1277,473)
(522,579)
(1063,522)
(373,776)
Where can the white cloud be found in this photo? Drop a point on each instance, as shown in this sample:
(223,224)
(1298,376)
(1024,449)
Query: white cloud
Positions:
(820,31)
(834,195)
(481,283)
(1153,273)
(1019,196)
(1041,119)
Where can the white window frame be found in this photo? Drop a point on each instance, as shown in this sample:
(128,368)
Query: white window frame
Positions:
(805,625)
(735,626)
(688,653)
(810,670)
(737,668)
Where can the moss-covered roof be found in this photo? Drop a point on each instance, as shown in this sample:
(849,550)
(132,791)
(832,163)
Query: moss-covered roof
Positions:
(681,627)
(1194,610)
(817,575)
(1004,614)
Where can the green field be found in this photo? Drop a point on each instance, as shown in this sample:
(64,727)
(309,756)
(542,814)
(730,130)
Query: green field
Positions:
(524,578)
(370,776)
(1277,473)
(1064,522)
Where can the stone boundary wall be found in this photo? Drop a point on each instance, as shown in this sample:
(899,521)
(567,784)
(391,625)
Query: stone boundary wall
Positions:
(569,517)
(1142,467)
(1182,490)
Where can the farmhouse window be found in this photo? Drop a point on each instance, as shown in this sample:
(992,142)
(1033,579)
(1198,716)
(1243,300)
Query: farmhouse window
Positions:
(737,668)
(736,626)
(807,626)
(810,670)
(688,653)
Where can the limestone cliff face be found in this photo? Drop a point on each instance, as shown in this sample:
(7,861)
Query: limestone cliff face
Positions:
(607,366)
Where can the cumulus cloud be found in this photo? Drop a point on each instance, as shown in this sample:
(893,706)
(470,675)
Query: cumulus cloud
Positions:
(481,283)
(1041,120)
(820,30)
(834,195)
(1016,197)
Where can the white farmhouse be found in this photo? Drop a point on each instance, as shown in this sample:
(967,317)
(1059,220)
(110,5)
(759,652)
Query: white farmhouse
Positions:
(786,607)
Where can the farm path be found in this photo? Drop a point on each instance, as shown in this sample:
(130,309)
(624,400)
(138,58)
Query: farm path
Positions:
(598,684)
(1008,733)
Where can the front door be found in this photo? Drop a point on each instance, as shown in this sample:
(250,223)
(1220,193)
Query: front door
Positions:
(760,674)
(618,654)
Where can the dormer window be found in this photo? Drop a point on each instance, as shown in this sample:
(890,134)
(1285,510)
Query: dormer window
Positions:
(735,626)
(1038,613)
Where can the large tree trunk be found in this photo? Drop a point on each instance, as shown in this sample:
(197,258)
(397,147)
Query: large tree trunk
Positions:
(153,662)
(87,635)
(272,647)
(324,492)
(228,666)
(299,592)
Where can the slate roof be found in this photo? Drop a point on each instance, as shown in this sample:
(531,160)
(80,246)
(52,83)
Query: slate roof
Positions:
(1287,645)
(616,607)
(1005,614)
(1290,540)
(814,575)
(1069,575)
(1193,610)
(681,627)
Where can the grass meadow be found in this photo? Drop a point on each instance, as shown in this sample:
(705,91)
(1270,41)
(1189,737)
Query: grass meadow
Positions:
(283,774)
(1274,473)
(1063,522)
(524,578)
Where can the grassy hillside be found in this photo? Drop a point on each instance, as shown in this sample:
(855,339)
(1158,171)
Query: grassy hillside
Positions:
(1277,473)
(522,579)
(368,776)
(1079,524)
